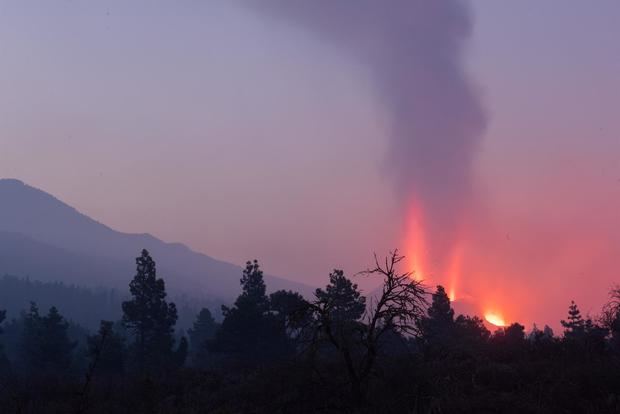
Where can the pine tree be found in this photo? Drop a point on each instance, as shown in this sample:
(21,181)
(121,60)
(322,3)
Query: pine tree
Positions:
(203,330)
(471,328)
(341,299)
(575,325)
(338,311)
(243,323)
(249,330)
(290,310)
(595,337)
(45,344)
(441,311)
(548,332)
(359,335)
(514,334)
(438,327)
(106,351)
(150,318)
(253,287)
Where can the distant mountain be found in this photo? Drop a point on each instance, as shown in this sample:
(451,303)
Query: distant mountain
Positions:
(23,256)
(44,238)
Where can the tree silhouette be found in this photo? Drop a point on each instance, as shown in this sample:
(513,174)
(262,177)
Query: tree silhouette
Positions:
(610,318)
(106,351)
(544,344)
(471,336)
(338,309)
(45,345)
(398,309)
(291,313)
(253,287)
(341,301)
(441,311)
(594,338)
(574,326)
(4,362)
(509,342)
(358,334)
(471,327)
(180,354)
(339,352)
(2,318)
(248,330)
(203,330)
(438,328)
(149,318)
(514,334)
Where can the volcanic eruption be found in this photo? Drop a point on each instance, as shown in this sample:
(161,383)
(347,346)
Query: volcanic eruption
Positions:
(414,54)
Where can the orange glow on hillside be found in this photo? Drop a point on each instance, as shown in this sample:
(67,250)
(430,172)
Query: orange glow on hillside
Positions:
(494,319)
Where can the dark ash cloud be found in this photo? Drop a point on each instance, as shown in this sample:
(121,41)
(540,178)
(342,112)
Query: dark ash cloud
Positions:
(413,50)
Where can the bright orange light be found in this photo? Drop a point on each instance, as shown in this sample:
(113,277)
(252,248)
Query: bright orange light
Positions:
(453,260)
(494,319)
(454,271)
(415,243)
(417,254)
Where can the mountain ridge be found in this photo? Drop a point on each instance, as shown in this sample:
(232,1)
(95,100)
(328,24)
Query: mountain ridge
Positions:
(50,223)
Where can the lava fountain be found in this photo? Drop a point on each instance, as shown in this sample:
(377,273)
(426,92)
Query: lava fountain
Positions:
(423,263)
(413,53)
(444,262)
(415,250)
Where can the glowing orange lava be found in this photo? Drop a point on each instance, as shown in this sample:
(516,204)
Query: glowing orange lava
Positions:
(457,266)
(494,319)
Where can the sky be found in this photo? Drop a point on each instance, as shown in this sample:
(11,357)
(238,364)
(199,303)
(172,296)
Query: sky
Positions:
(244,136)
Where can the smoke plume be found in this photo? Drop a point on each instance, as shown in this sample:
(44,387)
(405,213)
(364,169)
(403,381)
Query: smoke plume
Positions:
(413,50)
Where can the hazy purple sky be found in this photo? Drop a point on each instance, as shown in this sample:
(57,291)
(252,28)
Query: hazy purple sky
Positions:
(243,137)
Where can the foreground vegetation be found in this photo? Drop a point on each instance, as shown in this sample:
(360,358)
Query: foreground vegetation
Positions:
(399,350)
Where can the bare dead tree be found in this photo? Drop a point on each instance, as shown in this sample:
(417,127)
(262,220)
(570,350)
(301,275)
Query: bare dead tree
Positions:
(611,309)
(398,308)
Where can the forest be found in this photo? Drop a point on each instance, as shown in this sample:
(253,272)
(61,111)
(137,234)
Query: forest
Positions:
(400,349)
